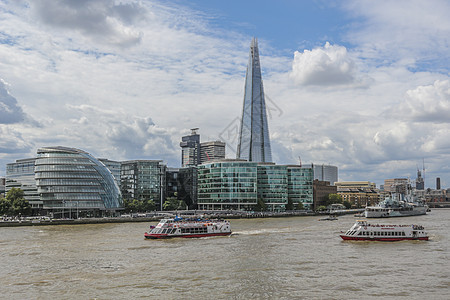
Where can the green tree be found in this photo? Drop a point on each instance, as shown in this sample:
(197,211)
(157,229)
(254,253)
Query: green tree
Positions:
(290,204)
(5,206)
(149,205)
(19,205)
(330,199)
(322,208)
(260,205)
(347,204)
(300,206)
(173,203)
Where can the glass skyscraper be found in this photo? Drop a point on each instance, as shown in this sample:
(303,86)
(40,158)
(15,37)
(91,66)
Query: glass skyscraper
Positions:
(254,143)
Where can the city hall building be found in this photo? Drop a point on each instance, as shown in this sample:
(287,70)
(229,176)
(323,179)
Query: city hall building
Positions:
(238,184)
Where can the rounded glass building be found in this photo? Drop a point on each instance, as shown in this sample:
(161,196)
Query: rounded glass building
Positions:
(71,181)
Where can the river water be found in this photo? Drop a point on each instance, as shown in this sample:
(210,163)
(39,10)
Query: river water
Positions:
(273,258)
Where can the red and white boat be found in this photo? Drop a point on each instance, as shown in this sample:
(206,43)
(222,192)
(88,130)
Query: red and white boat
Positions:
(363,231)
(190,228)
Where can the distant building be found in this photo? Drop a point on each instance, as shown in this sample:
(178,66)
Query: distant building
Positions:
(238,184)
(143,180)
(210,151)
(420,183)
(324,172)
(396,185)
(21,175)
(438,183)
(359,197)
(190,149)
(356,184)
(322,189)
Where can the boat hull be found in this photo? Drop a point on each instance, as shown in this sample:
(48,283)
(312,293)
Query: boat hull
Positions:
(168,236)
(382,239)
(394,213)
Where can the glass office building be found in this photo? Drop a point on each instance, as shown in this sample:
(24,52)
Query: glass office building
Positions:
(238,184)
(21,175)
(71,181)
(143,180)
(300,185)
(228,184)
(272,185)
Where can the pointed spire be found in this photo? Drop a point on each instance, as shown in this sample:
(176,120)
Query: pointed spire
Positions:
(254,142)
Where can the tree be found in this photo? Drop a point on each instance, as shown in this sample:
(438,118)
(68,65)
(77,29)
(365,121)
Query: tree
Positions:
(330,199)
(300,206)
(290,204)
(347,204)
(138,205)
(261,205)
(17,202)
(5,206)
(173,204)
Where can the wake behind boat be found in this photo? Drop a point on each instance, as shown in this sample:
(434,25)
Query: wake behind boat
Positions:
(363,231)
(189,228)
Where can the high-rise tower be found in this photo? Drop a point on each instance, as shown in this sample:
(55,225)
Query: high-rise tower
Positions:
(254,143)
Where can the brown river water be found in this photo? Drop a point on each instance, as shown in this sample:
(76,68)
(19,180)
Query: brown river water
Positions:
(272,258)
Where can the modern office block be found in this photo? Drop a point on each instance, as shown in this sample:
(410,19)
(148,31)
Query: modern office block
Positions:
(114,167)
(190,149)
(238,184)
(210,151)
(272,183)
(21,175)
(228,184)
(70,180)
(187,186)
(324,172)
(300,185)
(254,142)
(143,180)
(171,182)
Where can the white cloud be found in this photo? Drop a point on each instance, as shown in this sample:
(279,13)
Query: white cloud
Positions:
(429,103)
(10,111)
(328,65)
(102,21)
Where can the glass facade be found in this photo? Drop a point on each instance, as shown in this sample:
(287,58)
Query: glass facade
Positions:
(227,185)
(300,185)
(254,142)
(69,179)
(237,184)
(21,175)
(143,180)
(272,186)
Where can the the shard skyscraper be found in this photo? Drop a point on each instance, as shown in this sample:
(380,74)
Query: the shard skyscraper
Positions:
(254,143)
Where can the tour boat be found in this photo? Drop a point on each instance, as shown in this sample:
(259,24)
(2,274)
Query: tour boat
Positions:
(363,231)
(189,228)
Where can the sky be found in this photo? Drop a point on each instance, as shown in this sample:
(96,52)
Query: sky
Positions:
(362,85)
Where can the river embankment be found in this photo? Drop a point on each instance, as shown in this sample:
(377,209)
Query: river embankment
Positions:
(158,216)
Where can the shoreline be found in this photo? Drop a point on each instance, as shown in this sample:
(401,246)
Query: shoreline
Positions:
(213,215)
